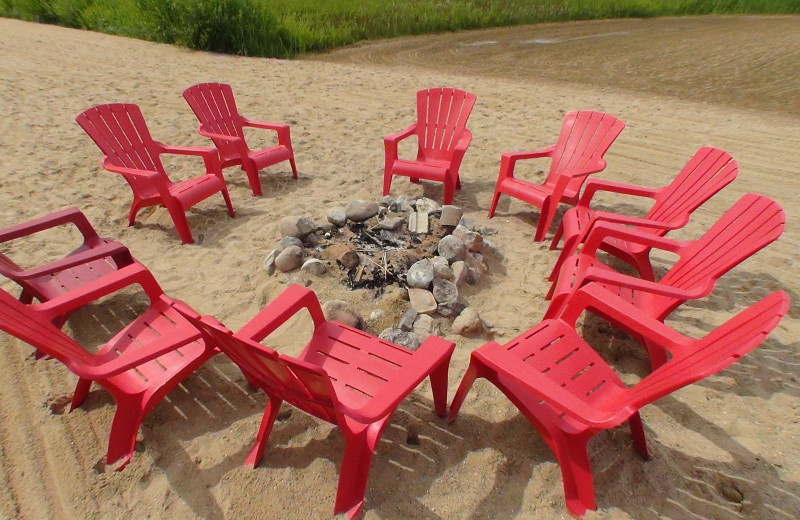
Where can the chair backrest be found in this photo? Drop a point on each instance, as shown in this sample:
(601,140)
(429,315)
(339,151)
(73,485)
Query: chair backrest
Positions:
(585,137)
(707,172)
(717,350)
(442,115)
(307,387)
(22,321)
(750,224)
(215,108)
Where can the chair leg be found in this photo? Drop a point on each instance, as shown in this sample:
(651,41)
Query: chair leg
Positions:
(570,246)
(438,379)
(178,215)
(637,432)
(267,420)
(387,178)
(658,356)
(135,207)
(227,197)
(644,266)
(544,222)
(576,472)
(557,236)
(449,191)
(472,373)
(557,304)
(458,182)
(252,178)
(493,206)
(81,391)
(360,445)
(124,427)
(294,166)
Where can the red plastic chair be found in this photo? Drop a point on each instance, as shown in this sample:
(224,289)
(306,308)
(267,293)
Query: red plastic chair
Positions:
(343,376)
(752,223)
(138,366)
(442,139)
(710,170)
(585,137)
(122,135)
(214,106)
(568,393)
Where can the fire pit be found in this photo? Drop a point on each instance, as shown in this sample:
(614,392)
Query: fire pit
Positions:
(428,250)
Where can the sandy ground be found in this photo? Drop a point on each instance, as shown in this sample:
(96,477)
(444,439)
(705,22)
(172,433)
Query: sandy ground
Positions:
(678,84)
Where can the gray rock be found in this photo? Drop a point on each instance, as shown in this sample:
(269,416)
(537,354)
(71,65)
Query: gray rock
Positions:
(460,272)
(444,291)
(452,249)
(477,262)
(349,259)
(424,326)
(406,322)
(269,261)
(400,337)
(487,231)
(361,210)
(386,201)
(441,268)
(428,206)
(342,312)
(403,204)
(289,259)
(422,301)
(468,323)
(296,226)
(473,240)
(467,223)
(418,222)
(337,216)
(420,274)
(328,227)
(450,215)
(451,309)
(290,241)
(391,223)
(314,266)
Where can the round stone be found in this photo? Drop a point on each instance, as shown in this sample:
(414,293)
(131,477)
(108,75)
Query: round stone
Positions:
(452,249)
(420,274)
(361,210)
(289,259)
(314,266)
(337,216)
(400,337)
(296,226)
(342,312)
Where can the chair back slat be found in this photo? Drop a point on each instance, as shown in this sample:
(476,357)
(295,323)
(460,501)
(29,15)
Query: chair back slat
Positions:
(442,115)
(215,108)
(585,137)
(707,172)
(752,223)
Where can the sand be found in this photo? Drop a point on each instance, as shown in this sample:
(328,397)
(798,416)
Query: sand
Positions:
(737,429)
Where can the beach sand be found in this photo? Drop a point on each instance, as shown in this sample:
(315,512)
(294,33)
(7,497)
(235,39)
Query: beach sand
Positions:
(739,429)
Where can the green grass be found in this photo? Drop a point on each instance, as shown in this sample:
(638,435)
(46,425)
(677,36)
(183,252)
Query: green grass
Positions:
(283,28)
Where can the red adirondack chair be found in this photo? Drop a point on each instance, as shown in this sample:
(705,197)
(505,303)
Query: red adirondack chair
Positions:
(120,132)
(710,170)
(214,106)
(752,223)
(442,139)
(138,366)
(343,376)
(568,393)
(585,137)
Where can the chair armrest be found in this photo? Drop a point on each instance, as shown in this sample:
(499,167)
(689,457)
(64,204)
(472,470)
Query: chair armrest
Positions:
(134,274)
(428,357)
(69,215)
(498,359)
(399,136)
(612,277)
(278,127)
(509,160)
(210,155)
(594,185)
(105,250)
(603,230)
(293,299)
(614,309)
(460,150)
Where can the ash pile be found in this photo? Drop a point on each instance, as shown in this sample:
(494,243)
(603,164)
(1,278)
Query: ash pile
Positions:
(429,251)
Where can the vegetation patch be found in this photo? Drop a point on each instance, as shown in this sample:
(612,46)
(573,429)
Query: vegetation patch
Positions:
(284,28)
